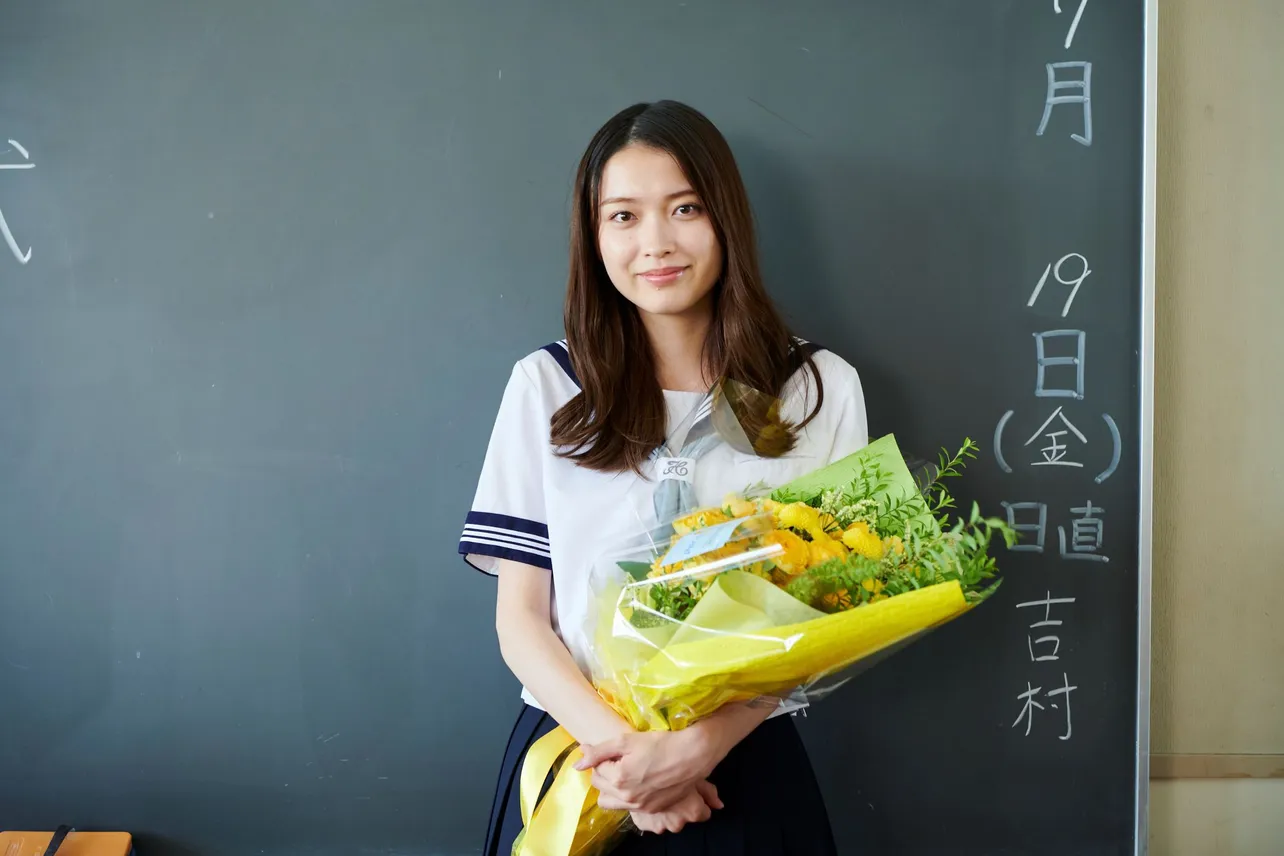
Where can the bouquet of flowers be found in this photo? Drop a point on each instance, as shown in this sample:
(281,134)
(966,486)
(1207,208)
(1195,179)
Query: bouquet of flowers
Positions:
(783,593)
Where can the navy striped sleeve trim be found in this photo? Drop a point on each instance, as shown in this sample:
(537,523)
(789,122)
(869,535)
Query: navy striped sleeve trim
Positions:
(559,352)
(500,536)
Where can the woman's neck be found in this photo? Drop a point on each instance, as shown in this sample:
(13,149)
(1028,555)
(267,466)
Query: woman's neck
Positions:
(677,342)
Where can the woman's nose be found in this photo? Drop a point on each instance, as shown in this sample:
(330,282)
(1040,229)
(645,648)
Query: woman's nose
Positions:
(657,237)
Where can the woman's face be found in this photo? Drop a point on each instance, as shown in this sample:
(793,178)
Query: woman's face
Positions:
(654,236)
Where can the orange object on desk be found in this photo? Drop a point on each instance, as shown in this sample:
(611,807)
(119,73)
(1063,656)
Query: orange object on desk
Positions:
(73,843)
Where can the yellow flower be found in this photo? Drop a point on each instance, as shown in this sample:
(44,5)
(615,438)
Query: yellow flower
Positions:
(861,540)
(726,551)
(657,570)
(823,549)
(737,507)
(795,552)
(895,544)
(798,515)
(872,586)
(701,519)
(837,599)
(733,548)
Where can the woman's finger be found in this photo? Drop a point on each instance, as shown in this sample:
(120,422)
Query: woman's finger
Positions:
(607,750)
(647,823)
(613,802)
(605,779)
(658,801)
(709,793)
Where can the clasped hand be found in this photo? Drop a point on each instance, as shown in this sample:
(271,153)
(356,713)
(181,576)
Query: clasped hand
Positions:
(660,777)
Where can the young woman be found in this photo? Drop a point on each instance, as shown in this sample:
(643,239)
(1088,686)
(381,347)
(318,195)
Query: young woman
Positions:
(664,299)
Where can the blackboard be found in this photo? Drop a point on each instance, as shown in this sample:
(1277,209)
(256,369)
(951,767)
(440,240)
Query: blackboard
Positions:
(266,266)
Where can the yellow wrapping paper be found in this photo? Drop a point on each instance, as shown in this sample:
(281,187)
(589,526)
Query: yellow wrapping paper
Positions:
(744,654)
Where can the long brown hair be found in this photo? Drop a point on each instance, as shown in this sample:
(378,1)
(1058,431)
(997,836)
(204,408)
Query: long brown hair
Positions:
(618,418)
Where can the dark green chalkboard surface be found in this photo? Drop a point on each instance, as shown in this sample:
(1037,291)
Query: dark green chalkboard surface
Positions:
(265,267)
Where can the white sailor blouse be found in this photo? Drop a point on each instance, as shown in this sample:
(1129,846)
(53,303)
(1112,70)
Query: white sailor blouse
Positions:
(534,507)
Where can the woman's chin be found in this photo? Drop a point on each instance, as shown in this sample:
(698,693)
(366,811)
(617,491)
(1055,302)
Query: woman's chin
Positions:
(675,304)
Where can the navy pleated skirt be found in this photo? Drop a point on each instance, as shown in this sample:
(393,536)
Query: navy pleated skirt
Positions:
(773,806)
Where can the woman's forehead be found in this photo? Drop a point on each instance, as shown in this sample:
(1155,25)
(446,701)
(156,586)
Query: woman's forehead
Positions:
(639,173)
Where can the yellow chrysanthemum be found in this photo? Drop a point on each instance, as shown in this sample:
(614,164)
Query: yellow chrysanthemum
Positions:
(794,551)
(733,548)
(804,518)
(797,515)
(738,507)
(861,540)
(895,544)
(823,549)
(658,569)
(702,519)
(837,599)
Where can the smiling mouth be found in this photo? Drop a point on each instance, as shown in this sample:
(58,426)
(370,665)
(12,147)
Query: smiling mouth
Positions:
(662,276)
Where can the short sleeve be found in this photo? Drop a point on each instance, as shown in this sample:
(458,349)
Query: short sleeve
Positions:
(507,519)
(851,428)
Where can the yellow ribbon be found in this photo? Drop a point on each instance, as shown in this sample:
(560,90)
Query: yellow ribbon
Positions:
(567,821)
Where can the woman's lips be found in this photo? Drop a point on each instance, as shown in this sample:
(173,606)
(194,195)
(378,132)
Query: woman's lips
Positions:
(663,276)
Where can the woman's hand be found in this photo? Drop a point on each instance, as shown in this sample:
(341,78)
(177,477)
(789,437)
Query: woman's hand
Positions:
(649,771)
(639,771)
(695,806)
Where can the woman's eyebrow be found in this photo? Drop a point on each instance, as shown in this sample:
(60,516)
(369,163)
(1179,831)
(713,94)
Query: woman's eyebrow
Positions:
(629,199)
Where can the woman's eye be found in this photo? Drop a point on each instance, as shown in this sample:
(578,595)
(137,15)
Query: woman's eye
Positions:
(689,209)
(620,216)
